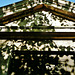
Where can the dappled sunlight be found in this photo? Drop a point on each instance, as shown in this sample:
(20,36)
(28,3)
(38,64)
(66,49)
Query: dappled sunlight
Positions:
(15,62)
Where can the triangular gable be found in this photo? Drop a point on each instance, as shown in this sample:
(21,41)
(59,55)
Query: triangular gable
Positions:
(43,7)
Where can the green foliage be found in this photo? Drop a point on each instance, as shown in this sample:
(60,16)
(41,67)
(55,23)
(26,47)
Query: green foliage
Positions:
(35,20)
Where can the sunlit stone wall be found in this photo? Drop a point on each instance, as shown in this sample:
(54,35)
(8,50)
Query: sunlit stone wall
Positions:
(38,19)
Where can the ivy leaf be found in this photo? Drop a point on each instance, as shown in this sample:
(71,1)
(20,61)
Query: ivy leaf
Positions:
(23,47)
(68,48)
